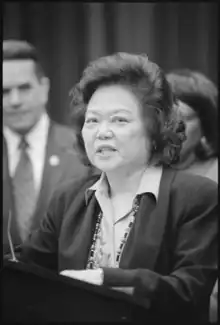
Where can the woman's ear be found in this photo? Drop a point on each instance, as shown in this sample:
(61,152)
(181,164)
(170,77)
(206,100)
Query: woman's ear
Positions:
(204,150)
(207,147)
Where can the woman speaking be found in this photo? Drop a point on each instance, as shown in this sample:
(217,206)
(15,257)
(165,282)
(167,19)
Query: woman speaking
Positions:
(139,226)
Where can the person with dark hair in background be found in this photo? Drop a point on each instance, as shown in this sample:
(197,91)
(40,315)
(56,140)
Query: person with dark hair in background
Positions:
(38,153)
(197,103)
(139,227)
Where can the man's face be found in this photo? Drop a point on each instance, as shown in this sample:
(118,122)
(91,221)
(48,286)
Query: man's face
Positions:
(24,95)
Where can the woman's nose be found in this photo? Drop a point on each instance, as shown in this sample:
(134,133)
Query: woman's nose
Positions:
(104,131)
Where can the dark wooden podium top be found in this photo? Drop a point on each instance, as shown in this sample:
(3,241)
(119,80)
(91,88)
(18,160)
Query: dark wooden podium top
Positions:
(33,294)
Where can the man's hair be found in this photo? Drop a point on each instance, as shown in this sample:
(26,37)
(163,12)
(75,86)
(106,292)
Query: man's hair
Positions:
(147,81)
(22,50)
(201,94)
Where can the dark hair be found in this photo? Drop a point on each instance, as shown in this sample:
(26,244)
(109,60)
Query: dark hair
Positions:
(147,81)
(22,50)
(201,94)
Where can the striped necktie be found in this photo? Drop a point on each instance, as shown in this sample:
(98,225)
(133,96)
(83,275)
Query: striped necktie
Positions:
(24,190)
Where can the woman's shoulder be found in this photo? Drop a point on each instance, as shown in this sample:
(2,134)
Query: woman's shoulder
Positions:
(192,196)
(187,179)
(70,189)
(194,188)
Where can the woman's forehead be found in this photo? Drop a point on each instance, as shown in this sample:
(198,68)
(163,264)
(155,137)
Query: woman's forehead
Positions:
(113,98)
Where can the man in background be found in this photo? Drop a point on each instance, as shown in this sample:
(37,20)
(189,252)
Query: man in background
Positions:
(38,153)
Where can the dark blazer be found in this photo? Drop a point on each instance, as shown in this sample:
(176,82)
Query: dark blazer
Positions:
(170,254)
(60,144)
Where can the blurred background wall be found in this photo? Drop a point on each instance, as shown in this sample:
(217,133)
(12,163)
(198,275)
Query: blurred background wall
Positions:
(68,35)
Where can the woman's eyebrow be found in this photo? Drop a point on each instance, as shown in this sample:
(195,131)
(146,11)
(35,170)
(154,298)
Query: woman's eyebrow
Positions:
(117,110)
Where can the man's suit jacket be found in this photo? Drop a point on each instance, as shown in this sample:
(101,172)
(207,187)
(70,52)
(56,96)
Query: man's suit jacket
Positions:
(169,257)
(61,165)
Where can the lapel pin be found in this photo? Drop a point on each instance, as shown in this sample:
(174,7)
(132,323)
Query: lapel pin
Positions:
(54,160)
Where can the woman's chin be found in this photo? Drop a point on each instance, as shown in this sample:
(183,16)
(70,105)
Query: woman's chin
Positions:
(106,166)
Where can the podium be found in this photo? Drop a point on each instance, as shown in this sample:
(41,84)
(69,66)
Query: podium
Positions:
(31,294)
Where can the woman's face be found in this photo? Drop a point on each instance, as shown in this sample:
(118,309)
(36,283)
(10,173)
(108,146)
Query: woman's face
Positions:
(113,132)
(193,129)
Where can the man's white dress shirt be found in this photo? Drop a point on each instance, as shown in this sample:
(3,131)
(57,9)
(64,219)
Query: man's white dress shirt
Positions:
(37,140)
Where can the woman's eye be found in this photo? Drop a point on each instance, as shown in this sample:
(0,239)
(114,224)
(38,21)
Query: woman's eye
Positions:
(120,119)
(90,120)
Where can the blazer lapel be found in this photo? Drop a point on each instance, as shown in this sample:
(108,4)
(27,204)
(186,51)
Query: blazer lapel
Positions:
(77,232)
(149,228)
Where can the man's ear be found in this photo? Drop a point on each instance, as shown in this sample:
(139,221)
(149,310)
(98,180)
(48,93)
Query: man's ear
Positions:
(45,88)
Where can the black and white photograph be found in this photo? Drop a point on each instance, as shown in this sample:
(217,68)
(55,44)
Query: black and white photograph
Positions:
(110,162)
